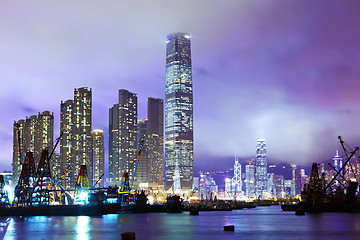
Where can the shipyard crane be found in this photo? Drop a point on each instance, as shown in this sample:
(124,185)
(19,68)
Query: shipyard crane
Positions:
(348,158)
(43,171)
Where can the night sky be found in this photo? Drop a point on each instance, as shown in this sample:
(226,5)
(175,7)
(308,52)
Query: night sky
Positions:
(286,71)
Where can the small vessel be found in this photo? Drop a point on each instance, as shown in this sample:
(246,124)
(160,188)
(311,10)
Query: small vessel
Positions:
(174,204)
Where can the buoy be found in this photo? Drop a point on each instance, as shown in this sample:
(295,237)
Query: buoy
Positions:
(128,236)
(229,228)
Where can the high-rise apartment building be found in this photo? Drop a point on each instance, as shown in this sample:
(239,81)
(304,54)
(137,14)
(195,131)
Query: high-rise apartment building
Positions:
(261,169)
(122,137)
(81,128)
(36,134)
(66,153)
(29,136)
(44,135)
(155,132)
(179,150)
(18,149)
(98,158)
(76,142)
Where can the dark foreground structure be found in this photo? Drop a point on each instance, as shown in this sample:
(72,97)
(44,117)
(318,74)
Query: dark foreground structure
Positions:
(339,195)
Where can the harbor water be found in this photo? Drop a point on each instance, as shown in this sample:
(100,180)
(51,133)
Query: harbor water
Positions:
(257,223)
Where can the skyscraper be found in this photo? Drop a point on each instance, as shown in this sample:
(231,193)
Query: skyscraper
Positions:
(236,180)
(36,134)
(76,142)
(337,161)
(29,136)
(18,149)
(81,130)
(98,158)
(179,150)
(155,131)
(122,136)
(66,153)
(261,169)
(250,180)
(142,172)
(44,135)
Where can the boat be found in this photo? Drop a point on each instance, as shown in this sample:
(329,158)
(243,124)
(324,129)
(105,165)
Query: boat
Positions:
(174,204)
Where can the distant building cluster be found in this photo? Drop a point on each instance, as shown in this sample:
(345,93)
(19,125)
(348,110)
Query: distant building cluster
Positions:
(167,157)
(258,180)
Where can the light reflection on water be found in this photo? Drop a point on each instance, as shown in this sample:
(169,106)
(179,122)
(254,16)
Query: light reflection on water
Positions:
(259,223)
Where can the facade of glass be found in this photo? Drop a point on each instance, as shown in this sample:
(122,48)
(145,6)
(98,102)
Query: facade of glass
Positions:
(261,169)
(122,137)
(179,148)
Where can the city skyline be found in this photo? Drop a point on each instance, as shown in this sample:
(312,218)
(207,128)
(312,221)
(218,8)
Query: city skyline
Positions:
(286,72)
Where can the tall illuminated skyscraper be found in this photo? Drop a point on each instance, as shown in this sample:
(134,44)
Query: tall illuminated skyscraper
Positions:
(122,137)
(179,150)
(261,169)
(76,143)
(98,158)
(236,180)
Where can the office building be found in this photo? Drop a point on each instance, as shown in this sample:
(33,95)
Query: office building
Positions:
(179,150)
(236,180)
(261,169)
(250,181)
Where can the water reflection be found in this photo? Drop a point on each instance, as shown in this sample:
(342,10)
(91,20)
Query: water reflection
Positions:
(259,223)
(82,227)
(4,224)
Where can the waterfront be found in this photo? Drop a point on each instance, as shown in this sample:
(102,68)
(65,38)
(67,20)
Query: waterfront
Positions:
(258,223)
